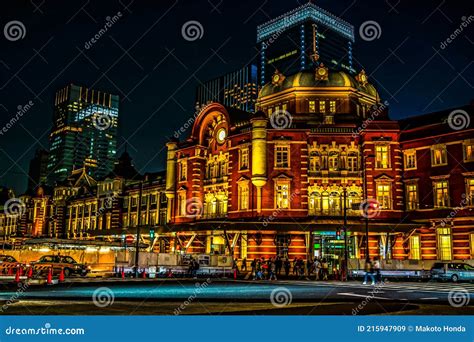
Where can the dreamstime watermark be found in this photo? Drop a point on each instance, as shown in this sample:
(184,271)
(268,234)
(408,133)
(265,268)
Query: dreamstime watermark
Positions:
(199,288)
(281,297)
(281,119)
(466,200)
(459,297)
(186,125)
(194,207)
(459,119)
(273,38)
(103,297)
(110,21)
(277,212)
(14,30)
(370,208)
(368,299)
(107,204)
(14,207)
(22,287)
(102,121)
(21,110)
(370,30)
(466,21)
(192,30)
(46,330)
(377,109)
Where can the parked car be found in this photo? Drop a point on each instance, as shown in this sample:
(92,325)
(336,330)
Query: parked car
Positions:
(8,262)
(454,271)
(59,262)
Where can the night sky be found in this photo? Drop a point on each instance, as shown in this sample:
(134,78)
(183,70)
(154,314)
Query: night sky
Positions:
(144,59)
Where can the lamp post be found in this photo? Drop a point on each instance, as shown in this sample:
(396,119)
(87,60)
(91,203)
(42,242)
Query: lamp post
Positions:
(345,235)
(139,217)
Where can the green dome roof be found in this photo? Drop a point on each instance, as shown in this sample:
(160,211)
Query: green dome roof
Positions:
(307,79)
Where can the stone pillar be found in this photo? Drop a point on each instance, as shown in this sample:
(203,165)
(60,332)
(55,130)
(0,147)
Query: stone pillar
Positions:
(259,155)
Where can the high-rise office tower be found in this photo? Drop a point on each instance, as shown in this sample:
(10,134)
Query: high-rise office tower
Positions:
(302,39)
(84,133)
(237,89)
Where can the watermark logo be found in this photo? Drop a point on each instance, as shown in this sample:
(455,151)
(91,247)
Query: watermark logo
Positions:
(110,21)
(466,21)
(458,297)
(102,121)
(14,30)
(281,119)
(459,119)
(197,291)
(370,30)
(194,207)
(14,207)
(370,208)
(103,297)
(281,297)
(192,30)
(21,110)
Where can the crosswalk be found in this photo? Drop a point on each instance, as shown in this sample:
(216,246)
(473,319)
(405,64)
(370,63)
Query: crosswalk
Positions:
(401,287)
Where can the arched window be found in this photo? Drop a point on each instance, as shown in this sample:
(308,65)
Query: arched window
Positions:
(315,162)
(314,204)
(333,161)
(335,203)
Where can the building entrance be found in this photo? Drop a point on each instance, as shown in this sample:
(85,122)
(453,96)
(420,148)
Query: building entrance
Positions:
(328,246)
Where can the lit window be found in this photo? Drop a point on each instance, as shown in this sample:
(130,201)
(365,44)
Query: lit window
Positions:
(282,156)
(333,161)
(243,196)
(444,244)
(329,119)
(332,106)
(352,163)
(468,150)
(277,109)
(412,196)
(244,159)
(270,111)
(312,106)
(284,107)
(282,196)
(441,194)
(384,196)
(322,106)
(382,160)
(181,204)
(183,170)
(438,156)
(315,162)
(153,198)
(471,238)
(470,191)
(415,248)
(410,160)
(314,204)
(134,201)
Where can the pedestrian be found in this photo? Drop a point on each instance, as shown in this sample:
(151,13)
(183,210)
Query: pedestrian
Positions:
(253,265)
(301,267)
(309,266)
(325,269)
(369,271)
(287,267)
(259,273)
(295,266)
(278,265)
(272,270)
(378,277)
(191,267)
(317,268)
(244,264)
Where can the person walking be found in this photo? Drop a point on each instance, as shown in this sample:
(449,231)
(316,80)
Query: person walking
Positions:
(369,271)
(253,265)
(244,264)
(295,266)
(287,267)
(309,267)
(317,268)
(325,269)
(278,265)
(272,270)
(378,277)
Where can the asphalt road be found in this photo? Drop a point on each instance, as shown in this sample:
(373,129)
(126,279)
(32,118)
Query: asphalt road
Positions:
(214,296)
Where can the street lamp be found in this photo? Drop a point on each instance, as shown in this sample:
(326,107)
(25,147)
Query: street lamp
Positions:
(139,218)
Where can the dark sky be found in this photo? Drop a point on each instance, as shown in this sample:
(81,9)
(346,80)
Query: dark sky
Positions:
(145,59)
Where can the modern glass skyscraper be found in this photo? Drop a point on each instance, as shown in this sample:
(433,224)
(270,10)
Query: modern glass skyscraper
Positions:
(237,89)
(84,133)
(303,38)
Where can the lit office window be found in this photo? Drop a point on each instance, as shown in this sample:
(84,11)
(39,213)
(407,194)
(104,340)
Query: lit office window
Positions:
(243,196)
(312,106)
(282,195)
(384,196)
(412,196)
(468,150)
(444,244)
(438,156)
(332,106)
(282,156)
(441,194)
(244,159)
(410,160)
(322,106)
(470,191)
(415,247)
(382,159)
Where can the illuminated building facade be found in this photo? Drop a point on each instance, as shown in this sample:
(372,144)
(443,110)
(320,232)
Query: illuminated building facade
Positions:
(277,182)
(302,39)
(237,89)
(84,133)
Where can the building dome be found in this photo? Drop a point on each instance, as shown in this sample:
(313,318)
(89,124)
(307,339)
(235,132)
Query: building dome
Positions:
(307,78)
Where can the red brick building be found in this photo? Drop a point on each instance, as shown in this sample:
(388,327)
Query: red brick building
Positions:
(275,182)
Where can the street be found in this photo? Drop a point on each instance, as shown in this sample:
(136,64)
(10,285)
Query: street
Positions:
(215,296)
